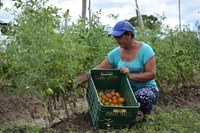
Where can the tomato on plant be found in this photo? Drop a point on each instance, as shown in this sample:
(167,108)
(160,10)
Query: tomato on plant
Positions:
(49,92)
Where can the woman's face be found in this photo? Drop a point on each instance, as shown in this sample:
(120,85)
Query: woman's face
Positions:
(123,40)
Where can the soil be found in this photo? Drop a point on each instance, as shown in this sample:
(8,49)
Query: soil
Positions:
(26,109)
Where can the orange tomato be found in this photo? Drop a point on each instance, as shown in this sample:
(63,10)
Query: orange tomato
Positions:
(110,100)
(112,93)
(112,104)
(114,97)
(121,100)
(115,101)
(117,94)
(103,96)
(108,95)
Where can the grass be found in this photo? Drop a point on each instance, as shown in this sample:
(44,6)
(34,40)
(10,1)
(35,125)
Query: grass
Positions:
(167,120)
(174,120)
(17,128)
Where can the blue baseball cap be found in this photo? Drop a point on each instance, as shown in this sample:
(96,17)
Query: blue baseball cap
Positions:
(120,27)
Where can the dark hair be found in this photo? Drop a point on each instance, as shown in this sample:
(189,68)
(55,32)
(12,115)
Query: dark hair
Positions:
(129,33)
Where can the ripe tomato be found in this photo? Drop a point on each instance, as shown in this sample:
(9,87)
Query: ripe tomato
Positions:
(112,93)
(103,96)
(108,95)
(121,100)
(110,100)
(112,104)
(115,101)
(114,97)
(117,94)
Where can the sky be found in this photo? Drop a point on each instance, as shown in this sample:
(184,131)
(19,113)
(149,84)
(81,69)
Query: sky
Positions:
(190,10)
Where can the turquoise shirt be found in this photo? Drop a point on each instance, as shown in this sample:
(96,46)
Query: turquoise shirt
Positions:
(135,66)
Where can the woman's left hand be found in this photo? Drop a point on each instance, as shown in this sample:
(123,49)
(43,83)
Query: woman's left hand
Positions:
(124,70)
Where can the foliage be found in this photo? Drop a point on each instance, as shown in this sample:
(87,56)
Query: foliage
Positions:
(150,22)
(43,53)
(182,120)
(177,53)
(1,4)
(91,35)
(17,128)
(39,55)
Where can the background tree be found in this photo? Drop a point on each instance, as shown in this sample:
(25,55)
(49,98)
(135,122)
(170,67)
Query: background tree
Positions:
(150,22)
(1,4)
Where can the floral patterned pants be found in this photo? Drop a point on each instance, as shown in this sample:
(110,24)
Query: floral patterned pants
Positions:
(147,97)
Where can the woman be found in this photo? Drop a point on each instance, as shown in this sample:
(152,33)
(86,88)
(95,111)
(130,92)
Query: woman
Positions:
(137,60)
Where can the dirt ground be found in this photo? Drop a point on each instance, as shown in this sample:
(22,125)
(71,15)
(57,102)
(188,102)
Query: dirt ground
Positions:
(23,110)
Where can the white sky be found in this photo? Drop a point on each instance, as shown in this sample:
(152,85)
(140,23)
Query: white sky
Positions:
(190,10)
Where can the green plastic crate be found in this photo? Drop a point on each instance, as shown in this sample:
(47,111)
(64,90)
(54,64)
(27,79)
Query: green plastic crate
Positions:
(111,116)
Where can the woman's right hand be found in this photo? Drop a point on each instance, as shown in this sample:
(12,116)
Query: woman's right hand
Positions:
(82,79)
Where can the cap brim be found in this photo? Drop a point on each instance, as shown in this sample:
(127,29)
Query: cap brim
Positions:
(116,33)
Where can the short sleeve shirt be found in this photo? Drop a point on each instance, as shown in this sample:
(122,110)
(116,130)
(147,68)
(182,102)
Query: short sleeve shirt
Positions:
(135,66)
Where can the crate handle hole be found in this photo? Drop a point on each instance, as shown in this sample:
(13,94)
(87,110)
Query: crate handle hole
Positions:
(106,73)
